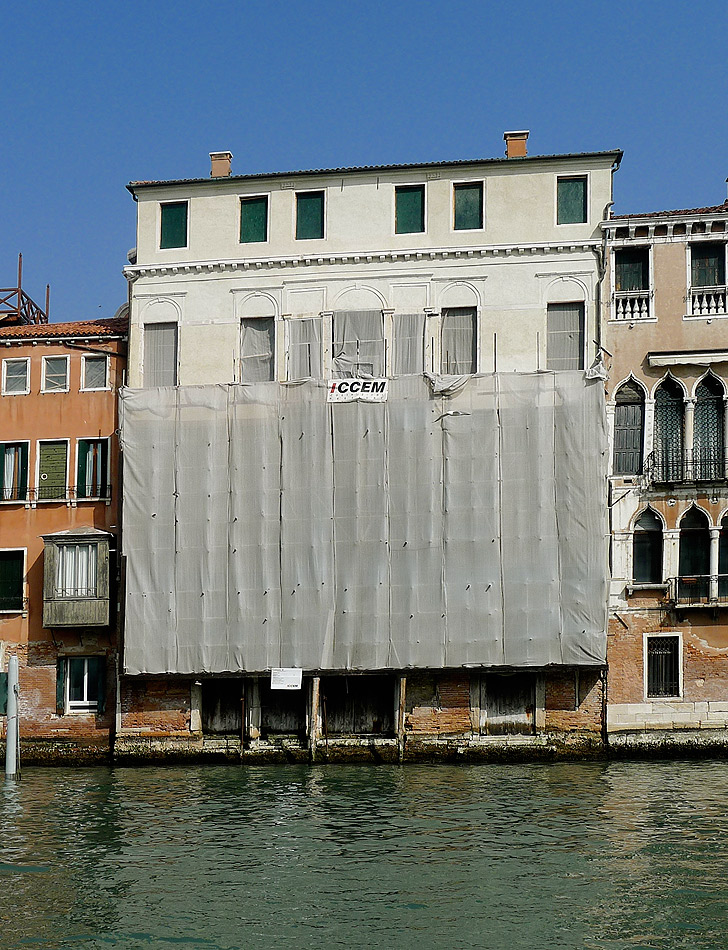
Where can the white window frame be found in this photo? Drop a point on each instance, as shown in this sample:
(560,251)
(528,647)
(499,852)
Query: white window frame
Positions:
(572,224)
(153,323)
(16,359)
(16,501)
(310,191)
(58,595)
(43,388)
(702,239)
(84,705)
(287,322)
(24,596)
(437,340)
(93,438)
(613,282)
(410,184)
(455,184)
(174,201)
(94,389)
(60,498)
(266,195)
(663,633)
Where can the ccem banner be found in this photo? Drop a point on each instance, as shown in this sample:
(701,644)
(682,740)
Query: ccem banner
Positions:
(357,390)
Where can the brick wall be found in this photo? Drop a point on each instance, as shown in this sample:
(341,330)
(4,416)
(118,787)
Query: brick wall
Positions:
(567,712)
(155,705)
(438,704)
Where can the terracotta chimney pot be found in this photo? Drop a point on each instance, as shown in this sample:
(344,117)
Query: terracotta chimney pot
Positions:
(220,164)
(516,144)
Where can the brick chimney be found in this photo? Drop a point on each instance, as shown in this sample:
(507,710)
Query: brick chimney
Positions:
(220,164)
(515,144)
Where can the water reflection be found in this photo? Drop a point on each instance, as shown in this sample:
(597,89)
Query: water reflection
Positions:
(508,856)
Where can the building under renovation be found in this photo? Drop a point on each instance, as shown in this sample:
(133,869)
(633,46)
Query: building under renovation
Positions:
(365,461)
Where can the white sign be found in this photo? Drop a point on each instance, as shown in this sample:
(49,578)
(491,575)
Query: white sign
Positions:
(289,678)
(357,390)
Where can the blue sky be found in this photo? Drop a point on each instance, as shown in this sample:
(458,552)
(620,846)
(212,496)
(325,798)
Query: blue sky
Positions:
(97,94)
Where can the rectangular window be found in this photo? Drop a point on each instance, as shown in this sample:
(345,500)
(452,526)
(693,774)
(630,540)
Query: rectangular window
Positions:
(257,350)
(707,264)
(13,471)
(16,377)
(94,372)
(663,666)
(55,374)
(85,681)
(11,580)
(76,570)
(631,269)
(174,224)
(304,348)
(468,201)
(358,343)
(160,354)
(565,336)
(409,209)
(309,215)
(458,354)
(571,195)
(409,344)
(92,473)
(254,219)
(52,459)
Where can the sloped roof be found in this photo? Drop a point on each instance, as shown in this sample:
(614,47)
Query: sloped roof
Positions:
(113,326)
(713,209)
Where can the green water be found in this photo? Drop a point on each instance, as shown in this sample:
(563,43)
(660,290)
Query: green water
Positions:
(523,856)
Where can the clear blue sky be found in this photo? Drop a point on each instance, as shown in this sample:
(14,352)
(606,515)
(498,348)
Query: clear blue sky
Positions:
(97,94)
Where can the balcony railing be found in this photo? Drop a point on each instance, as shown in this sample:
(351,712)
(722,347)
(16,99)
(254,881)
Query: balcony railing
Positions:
(695,590)
(708,301)
(632,305)
(664,470)
(54,493)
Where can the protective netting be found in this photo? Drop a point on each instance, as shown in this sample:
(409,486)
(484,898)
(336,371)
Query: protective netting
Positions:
(460,523)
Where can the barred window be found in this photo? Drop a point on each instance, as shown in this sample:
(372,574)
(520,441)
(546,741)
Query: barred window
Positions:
(663,666)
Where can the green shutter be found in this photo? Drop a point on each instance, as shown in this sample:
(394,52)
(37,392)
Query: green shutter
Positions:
(83,446)
(632,270)
(3,694)
(309,215)
(174,225)
(11,580)
(97,682)
(61,686)
(52,470)
(23,473)
(469,206)
(253,219)
(708,265)
(571,201)
(409,209)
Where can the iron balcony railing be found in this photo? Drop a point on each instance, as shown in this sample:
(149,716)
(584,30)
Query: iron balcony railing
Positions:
(708,590)
(661,469)
(54,493)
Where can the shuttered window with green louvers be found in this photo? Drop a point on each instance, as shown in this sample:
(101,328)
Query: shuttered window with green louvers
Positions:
(707,264)
(52,470)
(468,212)
(92,473)
(309,215)
(254,219)
(409,209)
(632,269)
(174,225)
(571,200)
(11,580)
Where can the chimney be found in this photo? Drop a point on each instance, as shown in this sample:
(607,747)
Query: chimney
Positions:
(515,144)
(220,164)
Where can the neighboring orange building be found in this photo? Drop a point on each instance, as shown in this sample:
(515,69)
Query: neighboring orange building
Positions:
(59,518)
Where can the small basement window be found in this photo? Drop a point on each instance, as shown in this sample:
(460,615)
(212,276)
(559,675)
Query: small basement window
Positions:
(663,667)
(81,684)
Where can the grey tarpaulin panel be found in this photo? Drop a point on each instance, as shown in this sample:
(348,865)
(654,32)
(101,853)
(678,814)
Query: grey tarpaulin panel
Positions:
(460,523)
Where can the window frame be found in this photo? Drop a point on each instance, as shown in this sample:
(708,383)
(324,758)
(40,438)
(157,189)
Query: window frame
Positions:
(16,359)
(173,247)
(241,202)
(23,583)
(24,498)
(44,367)
(324,209)
(145,328)
(653,635)
(584,333)
(581,176)
(85,705)
(60,498)
(460,184)
(58,596)
(422,185)
(288,323)
(476,339)
(106,488)
(94,389)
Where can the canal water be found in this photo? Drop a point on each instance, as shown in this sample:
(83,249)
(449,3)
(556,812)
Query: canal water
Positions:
(617,856)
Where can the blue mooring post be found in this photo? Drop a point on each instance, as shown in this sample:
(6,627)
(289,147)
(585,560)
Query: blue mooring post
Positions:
(11,732)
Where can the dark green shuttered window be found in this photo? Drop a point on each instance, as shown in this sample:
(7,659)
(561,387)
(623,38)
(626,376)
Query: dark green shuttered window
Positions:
(632,269)
(468,206)
(409,209)
(309,215)
(571,200)
(174,224)
(254,219)
(708,265)
(11,580)
(92,468)
(13,471)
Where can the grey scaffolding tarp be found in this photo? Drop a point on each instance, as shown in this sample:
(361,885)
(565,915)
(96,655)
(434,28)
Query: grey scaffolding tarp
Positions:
(460,523)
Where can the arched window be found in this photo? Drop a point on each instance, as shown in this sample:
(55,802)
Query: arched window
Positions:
(708,437)
(629,416)
(723,559)
(668,453)
(694,569)
(647,549)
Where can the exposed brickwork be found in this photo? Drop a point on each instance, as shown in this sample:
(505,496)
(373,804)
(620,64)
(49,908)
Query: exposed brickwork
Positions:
(155,706)
(563,713)
(438,704)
